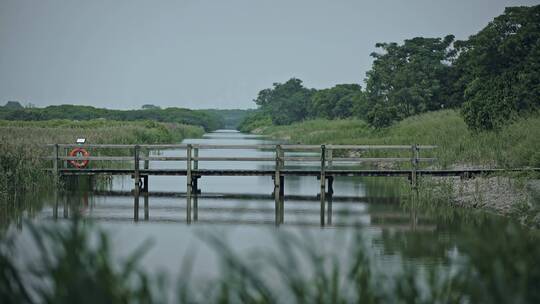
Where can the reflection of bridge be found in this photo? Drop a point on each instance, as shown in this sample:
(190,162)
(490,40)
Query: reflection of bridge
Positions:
(247,209)
(329,158)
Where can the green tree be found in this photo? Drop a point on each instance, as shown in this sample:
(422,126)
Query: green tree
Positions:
(501,68)
(286,102)
(341,101)
(13,105)
(412,78)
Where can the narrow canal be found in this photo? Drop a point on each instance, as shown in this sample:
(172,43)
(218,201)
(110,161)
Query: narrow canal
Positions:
(394,233)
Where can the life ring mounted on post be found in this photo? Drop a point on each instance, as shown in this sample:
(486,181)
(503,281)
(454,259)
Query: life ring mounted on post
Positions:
(78,152)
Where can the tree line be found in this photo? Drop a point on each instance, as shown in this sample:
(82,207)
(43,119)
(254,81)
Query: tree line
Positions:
(208,119)
(492,77)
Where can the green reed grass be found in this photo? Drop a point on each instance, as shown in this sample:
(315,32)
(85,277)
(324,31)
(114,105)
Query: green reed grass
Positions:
(515,145)
(22,145)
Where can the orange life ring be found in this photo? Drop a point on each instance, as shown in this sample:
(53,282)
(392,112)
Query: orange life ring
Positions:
(79,152)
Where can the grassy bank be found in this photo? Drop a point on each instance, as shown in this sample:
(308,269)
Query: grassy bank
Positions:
(515,145)
(22,144)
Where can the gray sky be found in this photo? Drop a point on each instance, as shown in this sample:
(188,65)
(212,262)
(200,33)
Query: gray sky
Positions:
(203,54)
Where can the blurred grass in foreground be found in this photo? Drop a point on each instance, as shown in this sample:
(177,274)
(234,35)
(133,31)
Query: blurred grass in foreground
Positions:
(482,269)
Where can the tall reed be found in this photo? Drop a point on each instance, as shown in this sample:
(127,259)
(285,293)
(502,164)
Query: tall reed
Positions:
(23,145)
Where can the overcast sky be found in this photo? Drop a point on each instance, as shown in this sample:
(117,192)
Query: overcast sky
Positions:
(206,54)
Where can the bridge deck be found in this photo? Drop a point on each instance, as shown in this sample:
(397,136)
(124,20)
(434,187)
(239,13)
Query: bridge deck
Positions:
(258,172)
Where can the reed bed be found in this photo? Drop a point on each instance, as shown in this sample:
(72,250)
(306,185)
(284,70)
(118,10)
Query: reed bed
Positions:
(515,145)
(22,145)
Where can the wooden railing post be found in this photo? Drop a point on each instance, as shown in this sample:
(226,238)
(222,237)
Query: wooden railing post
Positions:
(145,183)
(195,185)
(146,161)
(137,179)
(188,182)
(329,156)
(414,163)
(323,182)
(65,153)
(196,158)
(56,169)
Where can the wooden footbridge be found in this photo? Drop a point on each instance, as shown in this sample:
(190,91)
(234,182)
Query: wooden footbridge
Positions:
(329,161)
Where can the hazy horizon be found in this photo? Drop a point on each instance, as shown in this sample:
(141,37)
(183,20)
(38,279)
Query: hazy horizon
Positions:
(206,54)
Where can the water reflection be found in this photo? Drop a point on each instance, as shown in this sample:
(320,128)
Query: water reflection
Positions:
(243,209)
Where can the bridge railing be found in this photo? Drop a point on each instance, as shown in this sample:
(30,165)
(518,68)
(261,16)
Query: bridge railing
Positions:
(326,159)
(280,153)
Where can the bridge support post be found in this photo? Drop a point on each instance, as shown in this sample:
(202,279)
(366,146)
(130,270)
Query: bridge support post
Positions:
(137,182)
(323,183)
(189,183)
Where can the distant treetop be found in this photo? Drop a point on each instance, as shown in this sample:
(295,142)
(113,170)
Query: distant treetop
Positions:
(13,105)
(150,106)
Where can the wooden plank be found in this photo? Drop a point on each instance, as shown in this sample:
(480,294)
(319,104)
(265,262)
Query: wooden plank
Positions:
(381,159)
(165,146)
(288,158)
(377,147)
(98,158)
(270,147)
(358,159)
(216,158)
(246,147)
(258,172)
(164,158)
(108,146)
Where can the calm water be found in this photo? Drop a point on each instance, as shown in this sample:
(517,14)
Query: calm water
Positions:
(394,234)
